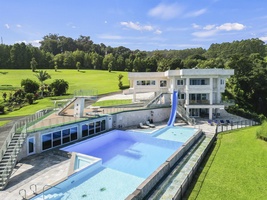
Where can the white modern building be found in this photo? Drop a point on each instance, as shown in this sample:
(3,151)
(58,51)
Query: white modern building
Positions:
(199,90)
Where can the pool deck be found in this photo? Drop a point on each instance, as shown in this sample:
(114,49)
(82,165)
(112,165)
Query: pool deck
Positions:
(47,168)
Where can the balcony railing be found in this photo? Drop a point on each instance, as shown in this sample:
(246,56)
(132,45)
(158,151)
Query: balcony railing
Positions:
(203,102)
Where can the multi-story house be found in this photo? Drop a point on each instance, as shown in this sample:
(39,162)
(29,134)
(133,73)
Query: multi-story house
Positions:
(199,90)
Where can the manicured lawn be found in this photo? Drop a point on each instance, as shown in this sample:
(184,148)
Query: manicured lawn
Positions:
(102,81)
(236,169)
(31,109)
(112,102)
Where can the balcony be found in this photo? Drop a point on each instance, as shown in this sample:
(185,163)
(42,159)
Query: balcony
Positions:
(199,102)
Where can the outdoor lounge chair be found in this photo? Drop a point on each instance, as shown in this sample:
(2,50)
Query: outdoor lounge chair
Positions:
(210,122)
(141,125)
(150,125)
(222,122)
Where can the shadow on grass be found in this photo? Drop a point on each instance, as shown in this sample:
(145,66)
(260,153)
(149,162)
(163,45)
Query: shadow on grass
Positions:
(3,73)
(82,71)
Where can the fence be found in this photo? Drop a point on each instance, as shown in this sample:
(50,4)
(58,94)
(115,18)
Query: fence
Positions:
(235,125)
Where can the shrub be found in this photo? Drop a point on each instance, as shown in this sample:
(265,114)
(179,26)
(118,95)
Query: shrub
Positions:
(29,97)
(2,109)
(29,85)
(262,131)
(59,87)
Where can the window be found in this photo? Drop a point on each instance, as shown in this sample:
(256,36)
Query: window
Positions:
(199,81)
(97,127)
(46,141)
(181,96)
(146,82)
(163,83)
(56,138)
(84,130)
(66,136)
(180,82)
(31,142)
(222,81)
(91,128)
(73,134)
(103,125)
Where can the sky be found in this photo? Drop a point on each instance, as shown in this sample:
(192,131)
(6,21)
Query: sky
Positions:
(136,24)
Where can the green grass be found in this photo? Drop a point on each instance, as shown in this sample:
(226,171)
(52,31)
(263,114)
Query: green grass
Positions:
(236,169)
(30,109)
(102,81)
(112,102)
(2,123)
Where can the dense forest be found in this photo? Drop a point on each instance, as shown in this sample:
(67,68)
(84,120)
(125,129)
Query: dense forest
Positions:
(248,57)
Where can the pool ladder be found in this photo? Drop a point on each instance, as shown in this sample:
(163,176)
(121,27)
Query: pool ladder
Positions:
(33,189)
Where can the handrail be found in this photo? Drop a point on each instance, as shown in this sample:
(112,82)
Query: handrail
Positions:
(50,186)
(24,193)
(20,129)
(35,188)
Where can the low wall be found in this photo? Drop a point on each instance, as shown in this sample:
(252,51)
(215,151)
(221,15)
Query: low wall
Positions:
(132,118)
(146,186)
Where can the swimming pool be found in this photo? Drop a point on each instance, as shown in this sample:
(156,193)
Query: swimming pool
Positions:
(128,158)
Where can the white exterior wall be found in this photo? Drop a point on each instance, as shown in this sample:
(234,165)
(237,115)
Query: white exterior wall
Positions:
(213,89)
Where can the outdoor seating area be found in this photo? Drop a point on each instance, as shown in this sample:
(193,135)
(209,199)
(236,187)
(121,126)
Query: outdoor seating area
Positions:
(146,125)
(217,122)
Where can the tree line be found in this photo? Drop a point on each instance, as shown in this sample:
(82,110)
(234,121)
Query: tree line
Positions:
(248,57)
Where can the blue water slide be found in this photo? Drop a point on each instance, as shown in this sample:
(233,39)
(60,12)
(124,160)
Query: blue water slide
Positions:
(174,107)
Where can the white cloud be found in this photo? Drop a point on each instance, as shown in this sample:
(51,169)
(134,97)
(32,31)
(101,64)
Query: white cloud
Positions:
(205,33)
(196,26)
(166,11)
(231,27)
(7,26)
(139,27)
(35,43)
(209,27)
(211,30)
(263,38)
(196,13)
(18,26)
(158,32)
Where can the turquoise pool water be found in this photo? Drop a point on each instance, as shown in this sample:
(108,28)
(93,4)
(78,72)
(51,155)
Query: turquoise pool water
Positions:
(128,158)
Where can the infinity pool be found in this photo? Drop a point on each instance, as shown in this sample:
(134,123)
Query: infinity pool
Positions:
(127,159)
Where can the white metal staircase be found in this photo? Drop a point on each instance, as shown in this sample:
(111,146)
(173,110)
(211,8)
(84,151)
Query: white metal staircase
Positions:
(185,115)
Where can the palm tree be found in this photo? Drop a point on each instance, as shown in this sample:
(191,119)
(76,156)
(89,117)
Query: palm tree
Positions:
(42,76)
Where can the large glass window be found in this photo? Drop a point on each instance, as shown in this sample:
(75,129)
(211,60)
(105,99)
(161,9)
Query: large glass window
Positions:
(97,127)
(103,125)
(66,136)
(56,138)
(73,134)
(146,82)
(91,128)
(85,130)
(46,141)
(199,81)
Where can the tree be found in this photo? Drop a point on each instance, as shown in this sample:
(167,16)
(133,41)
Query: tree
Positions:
(29,97)
(78,66)
(42,76)
(29,85)
(33,64)
(120,76)
(59,87)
